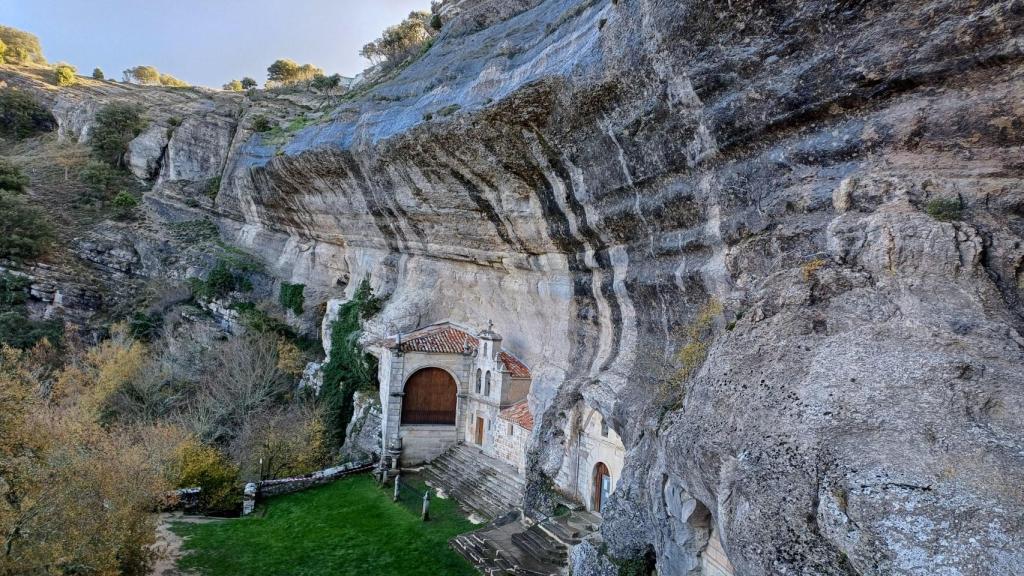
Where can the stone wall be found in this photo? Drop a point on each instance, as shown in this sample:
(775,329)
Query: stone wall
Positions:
(424,443)
(510,443)
(278,486)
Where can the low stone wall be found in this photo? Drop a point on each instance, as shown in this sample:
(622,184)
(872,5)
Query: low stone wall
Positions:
(280,486)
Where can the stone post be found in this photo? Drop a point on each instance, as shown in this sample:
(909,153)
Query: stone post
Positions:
(395,499)
(249,498)
(426,506)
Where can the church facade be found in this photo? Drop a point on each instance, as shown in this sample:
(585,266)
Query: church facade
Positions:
(446,384)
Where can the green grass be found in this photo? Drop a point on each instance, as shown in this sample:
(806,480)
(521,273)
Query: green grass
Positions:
(346,527)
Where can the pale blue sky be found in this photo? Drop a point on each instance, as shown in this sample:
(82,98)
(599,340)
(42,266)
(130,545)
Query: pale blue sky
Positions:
(206,42)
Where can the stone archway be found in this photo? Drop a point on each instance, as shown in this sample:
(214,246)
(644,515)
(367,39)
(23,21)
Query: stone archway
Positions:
(430,398)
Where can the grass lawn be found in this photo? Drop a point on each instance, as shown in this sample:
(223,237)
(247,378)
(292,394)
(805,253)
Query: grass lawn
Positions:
(346,527)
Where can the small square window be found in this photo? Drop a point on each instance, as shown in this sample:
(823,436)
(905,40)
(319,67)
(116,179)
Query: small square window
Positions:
(604,428)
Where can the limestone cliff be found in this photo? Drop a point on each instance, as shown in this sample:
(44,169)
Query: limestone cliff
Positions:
(842,179)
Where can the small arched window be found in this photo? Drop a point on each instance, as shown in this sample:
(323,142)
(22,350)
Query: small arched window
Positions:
(487,384)
(604,428)
(478,379)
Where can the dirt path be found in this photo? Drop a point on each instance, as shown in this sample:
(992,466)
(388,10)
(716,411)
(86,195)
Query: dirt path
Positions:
(168,545)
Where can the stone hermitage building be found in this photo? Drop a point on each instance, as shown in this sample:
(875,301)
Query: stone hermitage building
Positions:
(443,386)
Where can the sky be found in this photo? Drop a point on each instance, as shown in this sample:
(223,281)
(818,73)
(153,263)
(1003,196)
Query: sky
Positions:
(206,42)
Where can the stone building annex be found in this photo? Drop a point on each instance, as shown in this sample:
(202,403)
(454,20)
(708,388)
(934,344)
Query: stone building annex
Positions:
(456,400)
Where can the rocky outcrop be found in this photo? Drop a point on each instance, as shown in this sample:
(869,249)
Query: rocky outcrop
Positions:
(592,174)
(836,185)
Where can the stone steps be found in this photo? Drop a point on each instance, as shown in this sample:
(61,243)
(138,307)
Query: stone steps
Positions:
(540,546)
(481,483)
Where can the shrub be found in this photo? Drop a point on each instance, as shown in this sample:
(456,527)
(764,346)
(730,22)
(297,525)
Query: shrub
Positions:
(212,187)
(145,326)
(101,178)
(97,74)
(64,74)
(291,296)
(16,328)
(260,123)
(233,86)
(944,209)
(21,46)
(117,124)
(124,204)
(21,116)
(810,267)
(290,358)
(220,281)
(204,466)
(11,177)
(25,231)
(248,83)
(168,80)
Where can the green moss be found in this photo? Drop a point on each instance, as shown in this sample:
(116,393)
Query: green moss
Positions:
(291,296)
(348,369)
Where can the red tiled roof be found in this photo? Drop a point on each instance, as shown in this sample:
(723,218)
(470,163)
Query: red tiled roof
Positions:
(448,339)
(516,368)
(518,413)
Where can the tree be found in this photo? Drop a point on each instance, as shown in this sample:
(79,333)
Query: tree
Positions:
(286,71)
(98,74)
(327,84)
(21,47)
(248,83)
(25,231)
(65,74)
(142,75)
(11,177)
(397,43)
(233,86)
(282,70)
(117,124)
(77,499)
(21,116)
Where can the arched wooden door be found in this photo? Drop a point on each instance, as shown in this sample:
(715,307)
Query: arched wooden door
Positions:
(602,485)
(430,397)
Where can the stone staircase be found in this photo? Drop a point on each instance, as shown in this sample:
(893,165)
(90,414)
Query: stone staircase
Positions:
(508,547)
(483,484)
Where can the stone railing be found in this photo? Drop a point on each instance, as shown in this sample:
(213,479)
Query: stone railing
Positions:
(278,486)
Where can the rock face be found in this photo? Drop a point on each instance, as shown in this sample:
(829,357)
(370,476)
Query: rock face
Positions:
(778,245)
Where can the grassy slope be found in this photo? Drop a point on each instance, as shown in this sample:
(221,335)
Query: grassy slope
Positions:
(347,527)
